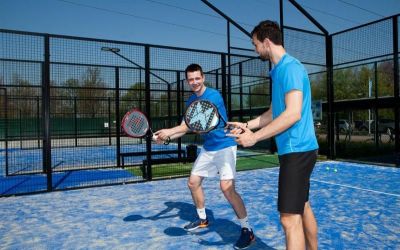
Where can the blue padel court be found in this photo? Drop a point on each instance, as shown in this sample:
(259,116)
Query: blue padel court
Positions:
(75,158)
(78,167)
(356,206)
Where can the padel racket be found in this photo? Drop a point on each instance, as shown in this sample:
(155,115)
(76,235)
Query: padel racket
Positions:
(202,116)
(135,124)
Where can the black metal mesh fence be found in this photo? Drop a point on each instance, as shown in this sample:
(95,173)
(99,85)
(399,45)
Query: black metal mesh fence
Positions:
(306,46)
(364,87)
(93,83)
(364,43)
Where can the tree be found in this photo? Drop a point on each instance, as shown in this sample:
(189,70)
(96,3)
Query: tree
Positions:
(23,98)
(385,79)
(134,97)
(342,81)
(258,95)
(318,86)
(91,93)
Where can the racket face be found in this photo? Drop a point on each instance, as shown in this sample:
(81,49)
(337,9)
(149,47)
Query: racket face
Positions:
(135,124)
(201,116)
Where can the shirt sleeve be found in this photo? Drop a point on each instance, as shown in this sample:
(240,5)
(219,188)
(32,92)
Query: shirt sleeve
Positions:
(219,102)
(190,100)
(293,78)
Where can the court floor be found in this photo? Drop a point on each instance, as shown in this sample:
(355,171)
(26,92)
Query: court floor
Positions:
(357,207)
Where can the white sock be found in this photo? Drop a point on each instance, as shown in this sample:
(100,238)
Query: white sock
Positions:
(201,212)
(245,222)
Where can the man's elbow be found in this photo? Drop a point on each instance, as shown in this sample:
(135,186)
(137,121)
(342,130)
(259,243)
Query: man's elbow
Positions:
(296,116)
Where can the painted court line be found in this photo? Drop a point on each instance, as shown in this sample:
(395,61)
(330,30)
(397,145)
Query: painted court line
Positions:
(341,185)
(348,186)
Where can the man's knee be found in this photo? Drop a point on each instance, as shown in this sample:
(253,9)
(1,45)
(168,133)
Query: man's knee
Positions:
(290,221)
(307,206)
(194,183)
(228,188)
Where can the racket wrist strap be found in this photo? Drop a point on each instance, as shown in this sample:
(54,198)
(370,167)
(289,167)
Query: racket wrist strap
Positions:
(167,140)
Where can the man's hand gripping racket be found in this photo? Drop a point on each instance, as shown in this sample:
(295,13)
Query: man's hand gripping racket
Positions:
(135,124)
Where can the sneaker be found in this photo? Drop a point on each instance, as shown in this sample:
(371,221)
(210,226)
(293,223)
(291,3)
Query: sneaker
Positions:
(246,239)
(196,224)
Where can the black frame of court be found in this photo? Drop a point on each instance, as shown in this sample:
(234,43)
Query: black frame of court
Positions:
(224,79)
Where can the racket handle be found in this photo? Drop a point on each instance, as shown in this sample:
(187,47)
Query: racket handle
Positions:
(166,142)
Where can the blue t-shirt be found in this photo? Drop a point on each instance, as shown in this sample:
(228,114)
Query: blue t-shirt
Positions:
(215,139)
(289,74)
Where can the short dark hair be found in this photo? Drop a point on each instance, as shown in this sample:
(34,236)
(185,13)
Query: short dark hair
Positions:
(268,29)
(192,68)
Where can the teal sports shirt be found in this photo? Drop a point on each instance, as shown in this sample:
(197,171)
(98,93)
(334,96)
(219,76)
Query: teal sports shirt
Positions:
(289,74)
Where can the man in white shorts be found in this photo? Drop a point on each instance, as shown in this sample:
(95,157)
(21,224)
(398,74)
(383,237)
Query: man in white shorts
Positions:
(218,156)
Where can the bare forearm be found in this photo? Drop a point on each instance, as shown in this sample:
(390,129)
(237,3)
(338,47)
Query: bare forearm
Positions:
(272,127)
(276,126)
(261,121)
(172,133)
(177,135)
(178,131)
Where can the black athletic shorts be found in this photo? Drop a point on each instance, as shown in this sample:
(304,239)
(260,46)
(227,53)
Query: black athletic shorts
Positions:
(294,180)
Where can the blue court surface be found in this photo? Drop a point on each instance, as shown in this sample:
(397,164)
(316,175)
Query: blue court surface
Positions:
(27,160)
(357,207)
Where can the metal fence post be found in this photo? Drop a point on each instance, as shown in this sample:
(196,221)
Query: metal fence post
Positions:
(396,88)
(148,110)
(46,113)
(117,117)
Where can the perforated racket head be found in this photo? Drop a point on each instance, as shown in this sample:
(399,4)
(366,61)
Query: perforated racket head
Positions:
(135,124)
(201,116)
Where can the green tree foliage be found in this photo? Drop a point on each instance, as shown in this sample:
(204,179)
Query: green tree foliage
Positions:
(88,92)
(2,101)
(385,79)
(134,97)
(23,98)
(344,81)
(353,83)
(318,86)
(63,99)
(258,95)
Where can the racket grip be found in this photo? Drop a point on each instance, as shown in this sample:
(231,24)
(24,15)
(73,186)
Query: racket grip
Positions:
(154,137)
(167,141)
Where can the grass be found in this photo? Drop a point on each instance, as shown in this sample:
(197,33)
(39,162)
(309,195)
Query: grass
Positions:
(183,169)
(257,162)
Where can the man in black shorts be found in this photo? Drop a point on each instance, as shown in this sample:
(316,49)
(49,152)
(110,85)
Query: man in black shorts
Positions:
(290,120)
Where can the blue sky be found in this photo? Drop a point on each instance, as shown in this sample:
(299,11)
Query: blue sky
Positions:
(180,23)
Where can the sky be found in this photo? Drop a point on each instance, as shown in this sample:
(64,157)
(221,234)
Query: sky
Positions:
(181,23)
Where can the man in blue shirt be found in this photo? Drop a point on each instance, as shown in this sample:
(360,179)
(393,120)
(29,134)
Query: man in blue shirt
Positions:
(218,156)
(290,120)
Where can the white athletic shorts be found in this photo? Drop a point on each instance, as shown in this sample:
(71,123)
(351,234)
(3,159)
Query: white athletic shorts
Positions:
(212,163)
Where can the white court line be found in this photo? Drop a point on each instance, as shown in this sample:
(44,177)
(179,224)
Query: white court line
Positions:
(342,185)
(363,189)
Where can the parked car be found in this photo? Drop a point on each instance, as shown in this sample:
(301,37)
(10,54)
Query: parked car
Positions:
(317,124)
(364,125)
(343,125)
(385,126)
(359,124)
